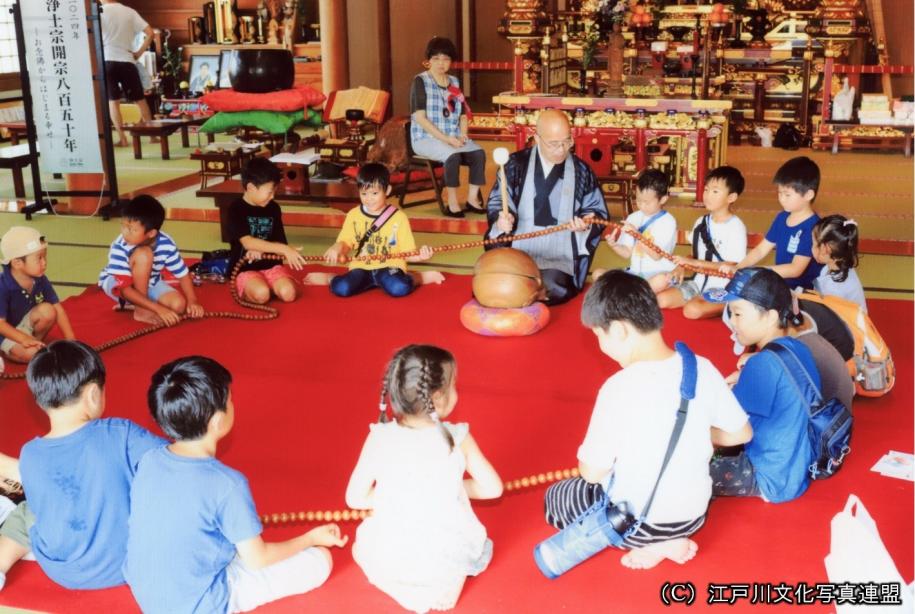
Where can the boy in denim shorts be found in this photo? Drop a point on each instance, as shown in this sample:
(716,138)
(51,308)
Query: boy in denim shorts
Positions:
(133,274)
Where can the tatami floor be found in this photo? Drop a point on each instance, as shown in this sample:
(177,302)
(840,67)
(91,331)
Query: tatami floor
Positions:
(873,188)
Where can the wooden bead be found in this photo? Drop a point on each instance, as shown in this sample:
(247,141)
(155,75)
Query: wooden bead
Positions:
(284,517)
(509,487)
(566,473)
(338,515)
(525,482)
(549,476)
(346,515)
(319,516)
(541,478)
(300,516)
(310,516)
(516,484)
(275,518)
(574,472)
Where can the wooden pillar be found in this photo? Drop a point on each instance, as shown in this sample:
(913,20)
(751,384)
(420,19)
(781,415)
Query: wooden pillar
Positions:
(384,45)
(334,60)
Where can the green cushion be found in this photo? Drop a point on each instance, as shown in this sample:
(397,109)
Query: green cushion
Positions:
(272,122)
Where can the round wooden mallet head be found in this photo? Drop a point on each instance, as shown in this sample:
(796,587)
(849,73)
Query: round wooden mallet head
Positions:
(506,277)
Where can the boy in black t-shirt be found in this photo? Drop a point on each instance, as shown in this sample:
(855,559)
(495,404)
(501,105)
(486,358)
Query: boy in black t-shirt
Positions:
(255,225)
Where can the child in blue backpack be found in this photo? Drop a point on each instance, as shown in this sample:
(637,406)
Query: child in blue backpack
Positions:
(791,232)
(76,477)
(774,464)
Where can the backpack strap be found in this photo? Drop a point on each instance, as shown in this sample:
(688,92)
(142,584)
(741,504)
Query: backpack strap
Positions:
(654,218)
(804,383)
(380,221)
(687,393)
(706,235)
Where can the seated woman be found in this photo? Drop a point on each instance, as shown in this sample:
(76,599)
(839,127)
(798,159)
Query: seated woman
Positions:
(439,127)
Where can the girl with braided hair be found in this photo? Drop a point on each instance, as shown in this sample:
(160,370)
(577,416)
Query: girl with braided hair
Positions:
(422,539)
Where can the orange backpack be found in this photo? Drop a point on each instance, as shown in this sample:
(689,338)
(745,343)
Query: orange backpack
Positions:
(871,367)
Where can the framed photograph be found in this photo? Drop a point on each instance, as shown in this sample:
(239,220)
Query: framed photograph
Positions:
(204,71)
(226,58)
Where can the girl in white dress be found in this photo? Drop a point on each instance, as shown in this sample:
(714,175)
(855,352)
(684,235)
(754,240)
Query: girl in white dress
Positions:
(422,539)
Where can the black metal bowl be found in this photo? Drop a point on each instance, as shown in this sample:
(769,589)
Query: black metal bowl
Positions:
(258,71)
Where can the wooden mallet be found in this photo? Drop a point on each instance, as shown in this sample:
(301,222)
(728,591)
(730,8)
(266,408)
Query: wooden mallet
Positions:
(500,157)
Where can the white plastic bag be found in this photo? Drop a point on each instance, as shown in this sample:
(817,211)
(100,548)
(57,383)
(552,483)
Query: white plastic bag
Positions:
(857,555)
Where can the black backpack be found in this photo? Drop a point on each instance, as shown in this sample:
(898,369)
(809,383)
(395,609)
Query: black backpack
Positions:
(787,137)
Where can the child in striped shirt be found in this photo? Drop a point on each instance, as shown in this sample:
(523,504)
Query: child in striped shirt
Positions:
(133,274)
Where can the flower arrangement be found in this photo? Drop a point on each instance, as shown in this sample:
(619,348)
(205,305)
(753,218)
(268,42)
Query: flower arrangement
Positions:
(600,18)
(171,66)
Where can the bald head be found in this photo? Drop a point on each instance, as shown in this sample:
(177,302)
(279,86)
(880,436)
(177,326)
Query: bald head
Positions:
(554,134)
(554,121)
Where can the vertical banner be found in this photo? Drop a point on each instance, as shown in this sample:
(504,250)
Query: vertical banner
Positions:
(60,74)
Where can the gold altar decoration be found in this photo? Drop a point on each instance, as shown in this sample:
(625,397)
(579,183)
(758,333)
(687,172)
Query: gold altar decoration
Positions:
(225,23)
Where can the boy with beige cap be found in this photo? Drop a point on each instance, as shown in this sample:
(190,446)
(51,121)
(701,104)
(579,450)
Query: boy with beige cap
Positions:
(29,307)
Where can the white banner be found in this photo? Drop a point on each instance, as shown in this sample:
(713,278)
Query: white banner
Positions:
(60,75)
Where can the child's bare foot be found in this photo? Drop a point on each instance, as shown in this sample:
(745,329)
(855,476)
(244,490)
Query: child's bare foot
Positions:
(318,279)
(146,316)
(677,550)
(431,277)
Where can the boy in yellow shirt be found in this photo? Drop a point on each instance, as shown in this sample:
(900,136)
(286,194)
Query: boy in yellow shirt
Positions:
(375,228)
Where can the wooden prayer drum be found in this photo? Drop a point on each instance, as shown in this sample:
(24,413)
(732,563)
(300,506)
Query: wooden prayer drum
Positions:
(506,277)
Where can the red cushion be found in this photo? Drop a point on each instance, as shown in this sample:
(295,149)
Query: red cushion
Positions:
(399,176)
(295,99)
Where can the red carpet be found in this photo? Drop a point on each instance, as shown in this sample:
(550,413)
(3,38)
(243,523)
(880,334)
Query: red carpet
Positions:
(307,385)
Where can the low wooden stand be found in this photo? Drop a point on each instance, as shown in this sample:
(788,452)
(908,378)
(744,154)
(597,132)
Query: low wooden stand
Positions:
(840,138)
(222,163)
(343,196)
(161,128)
(15,158)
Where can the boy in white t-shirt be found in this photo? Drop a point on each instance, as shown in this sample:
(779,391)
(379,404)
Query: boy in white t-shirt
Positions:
(717,237)
(653,222)
(632,423)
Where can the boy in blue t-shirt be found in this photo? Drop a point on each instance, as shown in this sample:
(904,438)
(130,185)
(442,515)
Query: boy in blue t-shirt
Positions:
(774,464)
(207,554)
(29,307)
(77,477)
(791,232)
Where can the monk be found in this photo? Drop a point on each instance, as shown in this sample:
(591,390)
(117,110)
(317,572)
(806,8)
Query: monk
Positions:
(549,185)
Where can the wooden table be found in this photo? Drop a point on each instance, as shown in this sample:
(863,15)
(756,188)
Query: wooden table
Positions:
(16,130)
(15,158)
(343,196)
(162,128)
